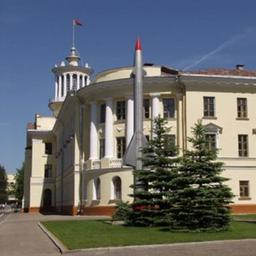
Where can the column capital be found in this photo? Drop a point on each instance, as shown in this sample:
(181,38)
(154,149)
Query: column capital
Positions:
(155,94)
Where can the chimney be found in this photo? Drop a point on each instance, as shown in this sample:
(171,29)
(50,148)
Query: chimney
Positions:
(239,67)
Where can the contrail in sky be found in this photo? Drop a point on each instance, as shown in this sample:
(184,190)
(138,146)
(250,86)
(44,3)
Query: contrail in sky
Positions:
(218,49)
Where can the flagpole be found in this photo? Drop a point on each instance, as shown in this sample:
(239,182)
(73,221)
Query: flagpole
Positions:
(73,36)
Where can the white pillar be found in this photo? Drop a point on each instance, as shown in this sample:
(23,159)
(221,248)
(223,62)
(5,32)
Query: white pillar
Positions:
(83,81)
(60,83)
(129,120)
(56,88)
(71,81)
(180,120)
(109,129)
(155,106)
(65,85)
(93,132)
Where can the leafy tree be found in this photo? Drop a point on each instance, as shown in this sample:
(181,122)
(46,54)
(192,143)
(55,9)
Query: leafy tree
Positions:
(153,189)
(3,185)
(19,183)
(201,198)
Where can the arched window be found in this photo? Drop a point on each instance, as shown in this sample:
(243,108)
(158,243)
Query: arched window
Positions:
(80,81)
(85,80)
(116,188)
(74,78)
(47,200)
(68,82)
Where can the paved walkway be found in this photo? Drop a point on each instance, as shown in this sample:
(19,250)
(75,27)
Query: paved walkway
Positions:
(20,235)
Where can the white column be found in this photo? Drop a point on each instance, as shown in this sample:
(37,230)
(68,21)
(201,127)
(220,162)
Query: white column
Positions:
(129,120)
(65,85)
(56,88)
(60,82)
(83,81)
(109,129)
(78,81)
(93,132)
(179,120)
(71,81)
(155,107)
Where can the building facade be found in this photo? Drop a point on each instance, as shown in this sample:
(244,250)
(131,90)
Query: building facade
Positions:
(73,161)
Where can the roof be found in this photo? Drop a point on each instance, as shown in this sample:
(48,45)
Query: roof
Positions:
(226,72)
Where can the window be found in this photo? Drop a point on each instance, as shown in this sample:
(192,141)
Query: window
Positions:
(211,141)
(85,80)
(120,110)
(243,145)
(102,148)
(74,79)
(244,188)
(169,108)
(241,107)
(117,188)
(48,171)
(121,146)
(209,108)
(102,113)
(48,148)
(68,82)
(146,108)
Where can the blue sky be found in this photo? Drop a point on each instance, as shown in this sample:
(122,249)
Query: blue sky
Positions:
(35,35)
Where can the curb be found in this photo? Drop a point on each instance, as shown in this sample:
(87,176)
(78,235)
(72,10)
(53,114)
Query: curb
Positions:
(61,247)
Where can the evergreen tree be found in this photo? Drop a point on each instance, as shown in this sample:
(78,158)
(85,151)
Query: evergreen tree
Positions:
(153,189)
(19,183)
(201,198)
(3,185)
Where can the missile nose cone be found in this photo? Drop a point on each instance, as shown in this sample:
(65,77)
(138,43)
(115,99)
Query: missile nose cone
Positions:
(138,45)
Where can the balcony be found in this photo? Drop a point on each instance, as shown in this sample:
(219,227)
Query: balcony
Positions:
(103,164)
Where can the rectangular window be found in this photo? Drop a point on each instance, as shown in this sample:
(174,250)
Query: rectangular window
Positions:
(102,148)
(244,188)
(48,148)
(241,107)
(121,146)
(169,107)
(146,108)
(120,110)
(209,106)
(211,141)
(102,113)
(48,170)
(243,145)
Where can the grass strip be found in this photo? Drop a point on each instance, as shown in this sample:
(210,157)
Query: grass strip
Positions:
(80,234)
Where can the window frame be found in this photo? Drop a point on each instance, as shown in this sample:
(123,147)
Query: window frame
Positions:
(120,147)
(169,109)
(120,110)
(209,110)
(242,108)
(243,145)
(244,189)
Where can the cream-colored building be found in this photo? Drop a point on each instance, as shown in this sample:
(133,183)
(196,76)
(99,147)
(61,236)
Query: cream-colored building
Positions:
(74,158)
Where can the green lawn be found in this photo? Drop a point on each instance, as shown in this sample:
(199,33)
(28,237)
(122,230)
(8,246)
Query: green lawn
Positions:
(79,234)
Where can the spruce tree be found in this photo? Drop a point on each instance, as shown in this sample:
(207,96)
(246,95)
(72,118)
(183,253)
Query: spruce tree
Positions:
(153,189)
(3,185)
(201,199)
